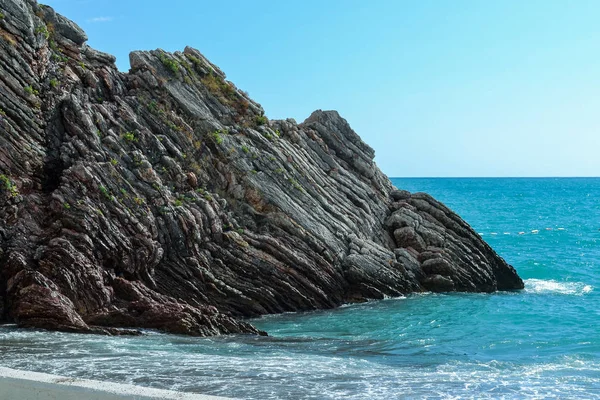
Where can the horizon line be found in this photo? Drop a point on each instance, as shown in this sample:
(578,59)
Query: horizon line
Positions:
(493,177)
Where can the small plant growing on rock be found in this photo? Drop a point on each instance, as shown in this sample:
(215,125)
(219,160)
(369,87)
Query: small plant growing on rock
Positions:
(9,185)
(66,205)
(54,82)
(296,185)
(245,149)
(195,60)
(129,137)
(60,57)
(114,162)
(1,16)
(260,120)
(219,87)
(30,90)
(138,200)
(153,106)
(105,192)
(216,135)
(43,30)
(170,64)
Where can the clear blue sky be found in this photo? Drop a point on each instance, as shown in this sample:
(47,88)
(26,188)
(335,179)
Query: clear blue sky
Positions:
(436,87)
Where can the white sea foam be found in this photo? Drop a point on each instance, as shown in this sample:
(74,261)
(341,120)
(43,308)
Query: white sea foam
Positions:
(552,286)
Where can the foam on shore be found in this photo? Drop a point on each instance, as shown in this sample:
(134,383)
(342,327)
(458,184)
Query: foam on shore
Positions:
(26,385)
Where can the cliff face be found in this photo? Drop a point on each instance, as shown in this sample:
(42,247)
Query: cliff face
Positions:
(163,198)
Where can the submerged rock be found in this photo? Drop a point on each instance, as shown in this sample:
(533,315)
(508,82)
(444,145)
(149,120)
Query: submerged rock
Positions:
(163,198)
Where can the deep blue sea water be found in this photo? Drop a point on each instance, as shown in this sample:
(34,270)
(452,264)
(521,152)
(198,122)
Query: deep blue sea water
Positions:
(542,342)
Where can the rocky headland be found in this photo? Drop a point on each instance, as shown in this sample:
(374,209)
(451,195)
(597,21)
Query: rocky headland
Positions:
(163,198)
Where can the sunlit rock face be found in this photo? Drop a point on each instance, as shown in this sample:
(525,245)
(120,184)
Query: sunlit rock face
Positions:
(163,198)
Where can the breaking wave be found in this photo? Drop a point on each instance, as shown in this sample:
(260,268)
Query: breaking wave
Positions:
(543,286)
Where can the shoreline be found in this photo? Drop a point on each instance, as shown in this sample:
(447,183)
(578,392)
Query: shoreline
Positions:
(28,385)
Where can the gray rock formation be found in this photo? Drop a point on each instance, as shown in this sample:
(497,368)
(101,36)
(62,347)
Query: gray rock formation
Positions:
(164,198)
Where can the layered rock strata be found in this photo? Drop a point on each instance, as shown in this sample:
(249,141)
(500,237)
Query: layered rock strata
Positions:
(164,198)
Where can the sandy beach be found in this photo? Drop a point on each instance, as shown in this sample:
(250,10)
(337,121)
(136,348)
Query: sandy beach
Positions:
(26,385)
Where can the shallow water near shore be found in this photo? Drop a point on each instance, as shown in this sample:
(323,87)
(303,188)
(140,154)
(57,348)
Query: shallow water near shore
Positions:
(539,342)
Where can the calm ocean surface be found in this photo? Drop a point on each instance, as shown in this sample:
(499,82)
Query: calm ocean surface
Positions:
(542,342)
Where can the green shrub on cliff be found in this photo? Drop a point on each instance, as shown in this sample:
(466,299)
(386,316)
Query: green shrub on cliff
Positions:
(216,135)
(43,30)
(9,185)
(106,193)
(260,120)
(129,137)
(30,90)
(219,87)
(170,64)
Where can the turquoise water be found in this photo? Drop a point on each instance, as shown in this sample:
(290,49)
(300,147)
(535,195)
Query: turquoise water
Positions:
(542,342)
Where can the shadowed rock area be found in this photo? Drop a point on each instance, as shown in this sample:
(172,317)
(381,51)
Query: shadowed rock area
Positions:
(163,198)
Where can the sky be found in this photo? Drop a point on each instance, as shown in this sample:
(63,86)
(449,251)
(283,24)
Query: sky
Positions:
(439,88)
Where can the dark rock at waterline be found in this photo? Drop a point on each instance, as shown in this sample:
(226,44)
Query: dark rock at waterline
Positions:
(163,198)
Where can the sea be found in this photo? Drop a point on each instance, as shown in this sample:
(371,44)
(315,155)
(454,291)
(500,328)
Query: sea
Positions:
(540,342)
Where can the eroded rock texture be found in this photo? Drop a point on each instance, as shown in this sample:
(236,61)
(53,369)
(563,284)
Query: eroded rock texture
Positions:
(163,198)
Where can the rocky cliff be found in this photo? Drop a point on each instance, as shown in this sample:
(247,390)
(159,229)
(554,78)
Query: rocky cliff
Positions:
(164,198)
